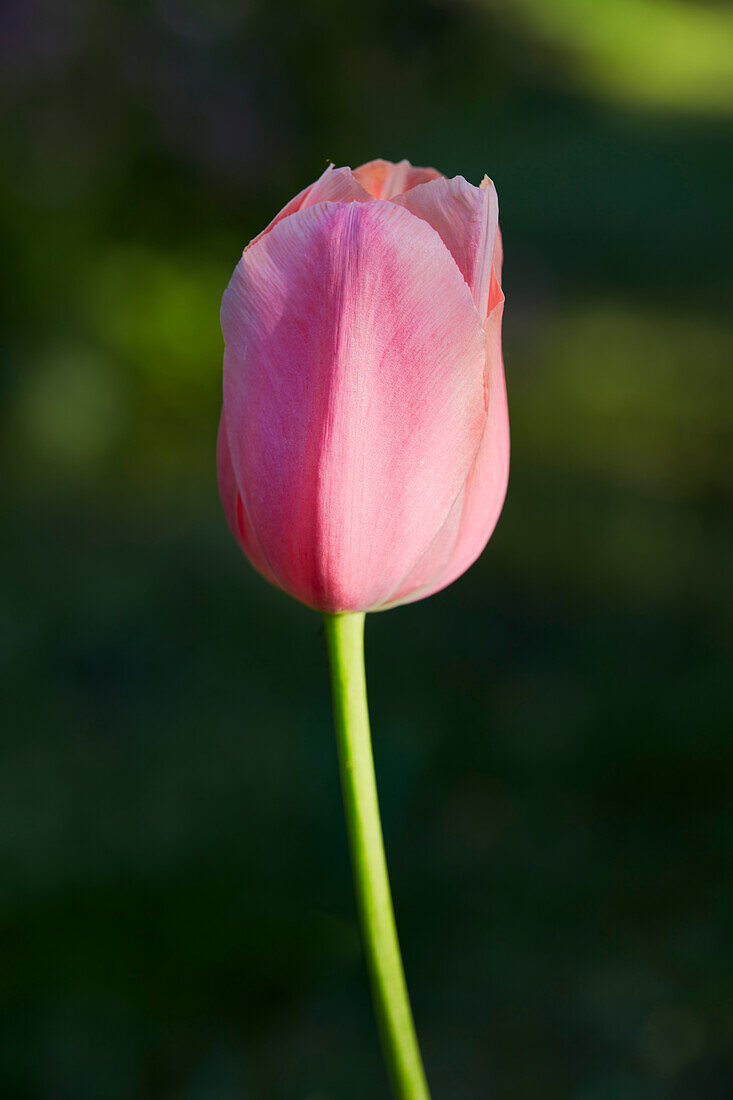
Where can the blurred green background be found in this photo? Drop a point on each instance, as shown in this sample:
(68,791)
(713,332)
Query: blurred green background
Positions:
(552,733)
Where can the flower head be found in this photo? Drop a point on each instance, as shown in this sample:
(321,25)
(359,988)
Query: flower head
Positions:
(363,449)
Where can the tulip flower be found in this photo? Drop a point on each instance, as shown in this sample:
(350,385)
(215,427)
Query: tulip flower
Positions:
(364,441)
(363,450)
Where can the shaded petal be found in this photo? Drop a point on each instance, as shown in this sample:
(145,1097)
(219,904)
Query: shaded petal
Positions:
(234,509)
(335,185)
(384,180)
(354,397)
(471,522)
(467,218)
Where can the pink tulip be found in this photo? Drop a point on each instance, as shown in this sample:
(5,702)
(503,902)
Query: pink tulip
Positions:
(363,449)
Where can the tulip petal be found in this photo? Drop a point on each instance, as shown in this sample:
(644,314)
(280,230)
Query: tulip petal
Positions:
(234,505)
(334,185)
(354,396)
(384,180)
(476,511)
(489,478)
(466,217)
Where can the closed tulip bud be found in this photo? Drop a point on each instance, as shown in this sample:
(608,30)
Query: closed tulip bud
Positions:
(363,450)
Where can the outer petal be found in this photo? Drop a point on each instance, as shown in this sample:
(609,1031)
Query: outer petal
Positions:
(467,219)
(384,180)
(234,508)
(335,185)
(354,397)
(474,515)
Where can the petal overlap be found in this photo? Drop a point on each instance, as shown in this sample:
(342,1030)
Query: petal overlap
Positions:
(335,185)
(467,219)
(385,180)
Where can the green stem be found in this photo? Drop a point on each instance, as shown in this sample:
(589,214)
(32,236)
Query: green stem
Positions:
(345,635)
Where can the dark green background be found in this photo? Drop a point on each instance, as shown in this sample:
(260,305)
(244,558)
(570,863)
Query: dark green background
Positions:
(552,733)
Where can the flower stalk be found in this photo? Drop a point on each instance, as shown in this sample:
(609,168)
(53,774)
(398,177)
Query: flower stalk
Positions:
(345,637)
